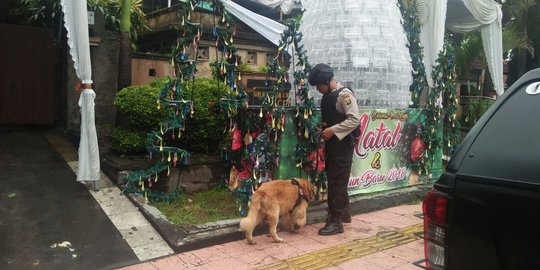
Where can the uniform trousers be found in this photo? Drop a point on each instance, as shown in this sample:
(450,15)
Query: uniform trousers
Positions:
(338,162)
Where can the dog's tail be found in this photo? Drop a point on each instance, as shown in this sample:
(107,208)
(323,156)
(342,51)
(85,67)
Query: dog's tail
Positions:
(249,222)
(246,223)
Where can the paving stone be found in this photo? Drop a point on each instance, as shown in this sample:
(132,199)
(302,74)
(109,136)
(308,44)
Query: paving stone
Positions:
(140,236)
(128,220)
(151,251)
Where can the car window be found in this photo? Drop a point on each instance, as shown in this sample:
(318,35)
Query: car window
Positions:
(509,144)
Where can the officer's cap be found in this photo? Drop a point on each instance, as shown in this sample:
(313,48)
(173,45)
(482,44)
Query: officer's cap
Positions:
(320,74)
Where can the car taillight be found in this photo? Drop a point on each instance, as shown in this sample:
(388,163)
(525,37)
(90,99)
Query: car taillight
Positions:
(434,209)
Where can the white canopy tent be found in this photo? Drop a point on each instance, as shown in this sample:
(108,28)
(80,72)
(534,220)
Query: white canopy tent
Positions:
(462,16)
(76,23)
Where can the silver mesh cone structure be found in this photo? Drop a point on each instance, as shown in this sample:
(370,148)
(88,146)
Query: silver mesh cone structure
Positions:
(364,41)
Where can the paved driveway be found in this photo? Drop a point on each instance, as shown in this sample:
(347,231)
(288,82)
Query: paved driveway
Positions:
(47,219)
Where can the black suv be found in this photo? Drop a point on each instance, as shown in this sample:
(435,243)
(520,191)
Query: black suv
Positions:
(484,211)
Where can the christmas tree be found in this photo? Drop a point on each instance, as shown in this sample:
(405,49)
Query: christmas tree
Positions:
(160,142)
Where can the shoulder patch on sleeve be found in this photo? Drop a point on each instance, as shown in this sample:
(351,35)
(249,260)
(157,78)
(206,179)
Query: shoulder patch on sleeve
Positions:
(346,97)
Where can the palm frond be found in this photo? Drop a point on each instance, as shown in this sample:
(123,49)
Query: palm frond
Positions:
(515,39)
(516,8)
(469,49)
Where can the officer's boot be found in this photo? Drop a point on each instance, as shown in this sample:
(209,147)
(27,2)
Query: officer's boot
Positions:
(333,226)
(345,218)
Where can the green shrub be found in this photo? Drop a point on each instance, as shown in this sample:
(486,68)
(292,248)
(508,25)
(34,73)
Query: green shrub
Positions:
(264,69)
(138,115)
(158,83)
(137,108)
(127,142)
(204,131)
(245,67)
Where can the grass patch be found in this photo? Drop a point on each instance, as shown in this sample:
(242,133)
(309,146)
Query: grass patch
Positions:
(208,206)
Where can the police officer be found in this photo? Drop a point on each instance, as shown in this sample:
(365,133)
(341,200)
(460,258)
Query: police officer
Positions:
(339,118)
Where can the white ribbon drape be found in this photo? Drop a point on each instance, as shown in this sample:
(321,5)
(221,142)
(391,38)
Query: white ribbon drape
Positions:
(486,16)
(268,28)
(492,42)
(432,16)
(484,11)
(286,6)
(489,13)
(76,23)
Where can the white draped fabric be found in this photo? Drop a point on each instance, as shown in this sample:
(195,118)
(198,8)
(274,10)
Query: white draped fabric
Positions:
(463,16)
(286,6)
(432,15)
(492,42)
(76,23)
(268,28)
(489,14)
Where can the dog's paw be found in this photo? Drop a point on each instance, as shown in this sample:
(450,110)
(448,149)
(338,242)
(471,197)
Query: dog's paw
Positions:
(279,240)
(252,242)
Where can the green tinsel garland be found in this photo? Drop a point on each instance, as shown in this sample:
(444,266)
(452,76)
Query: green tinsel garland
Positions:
(411,25)
(234,104)
(307,130)
(442,98)
(452,133)
(437,110)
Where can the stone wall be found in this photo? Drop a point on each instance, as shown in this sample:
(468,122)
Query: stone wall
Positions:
(203,173)
(142,66)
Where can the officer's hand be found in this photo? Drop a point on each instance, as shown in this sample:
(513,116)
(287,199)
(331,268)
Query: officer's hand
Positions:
(327,134)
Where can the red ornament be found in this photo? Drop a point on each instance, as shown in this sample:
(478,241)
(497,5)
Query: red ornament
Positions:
(418,146)
(316,158)
(236,139)
(268,118)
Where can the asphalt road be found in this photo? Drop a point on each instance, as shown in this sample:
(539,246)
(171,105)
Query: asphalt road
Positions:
(47,219)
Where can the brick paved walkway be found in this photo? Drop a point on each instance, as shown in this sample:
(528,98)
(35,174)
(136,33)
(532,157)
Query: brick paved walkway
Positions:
(389,237)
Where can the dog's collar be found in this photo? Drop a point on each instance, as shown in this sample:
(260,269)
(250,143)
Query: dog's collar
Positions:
(301,194)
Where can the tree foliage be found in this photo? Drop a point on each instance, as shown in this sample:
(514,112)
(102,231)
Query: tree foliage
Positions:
(48,13)
(111,11)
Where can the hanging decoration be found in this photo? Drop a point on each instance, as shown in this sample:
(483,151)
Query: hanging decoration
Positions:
(239,153)
(442,100)
(309,150)
(158,142)
(441,107)
(412,28)
(262,127)
(448,80)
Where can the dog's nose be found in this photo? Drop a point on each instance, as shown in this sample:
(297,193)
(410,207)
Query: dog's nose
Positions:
(296,227)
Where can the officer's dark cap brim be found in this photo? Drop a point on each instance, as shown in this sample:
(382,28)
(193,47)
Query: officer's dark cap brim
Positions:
(320,74)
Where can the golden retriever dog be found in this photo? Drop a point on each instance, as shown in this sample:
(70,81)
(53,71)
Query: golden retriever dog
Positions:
(288,199)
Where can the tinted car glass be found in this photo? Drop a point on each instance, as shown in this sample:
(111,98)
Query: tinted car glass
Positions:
(508,146)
